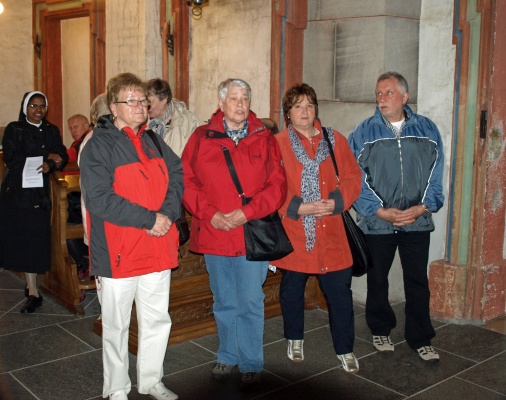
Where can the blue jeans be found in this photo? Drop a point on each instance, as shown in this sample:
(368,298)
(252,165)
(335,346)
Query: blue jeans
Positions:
(238,308)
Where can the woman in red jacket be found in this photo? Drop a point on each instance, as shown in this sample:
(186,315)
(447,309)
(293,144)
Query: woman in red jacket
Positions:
(132,189)
(218,218)
(311,219)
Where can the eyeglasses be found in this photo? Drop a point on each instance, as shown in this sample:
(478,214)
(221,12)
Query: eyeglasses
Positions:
(134,102)
(33,106)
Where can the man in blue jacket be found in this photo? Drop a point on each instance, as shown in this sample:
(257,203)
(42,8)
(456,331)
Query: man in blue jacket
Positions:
(401,157)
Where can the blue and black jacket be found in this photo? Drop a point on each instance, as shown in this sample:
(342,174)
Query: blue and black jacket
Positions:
(398,170)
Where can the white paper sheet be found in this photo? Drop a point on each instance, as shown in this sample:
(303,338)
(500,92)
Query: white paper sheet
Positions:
(32,177)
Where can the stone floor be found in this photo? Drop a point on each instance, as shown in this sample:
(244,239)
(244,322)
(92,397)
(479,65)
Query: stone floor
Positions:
(52,354)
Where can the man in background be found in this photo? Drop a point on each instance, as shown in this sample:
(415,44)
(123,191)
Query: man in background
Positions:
(79,127)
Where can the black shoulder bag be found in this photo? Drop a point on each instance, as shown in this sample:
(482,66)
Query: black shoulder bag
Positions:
(265,238)
(181,224)
(362,261)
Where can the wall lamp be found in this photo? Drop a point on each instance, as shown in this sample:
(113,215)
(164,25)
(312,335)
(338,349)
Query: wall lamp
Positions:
(196,6)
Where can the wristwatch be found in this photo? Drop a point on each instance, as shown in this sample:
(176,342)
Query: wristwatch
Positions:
(425,207)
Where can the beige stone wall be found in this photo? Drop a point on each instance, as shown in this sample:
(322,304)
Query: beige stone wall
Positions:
(16,52)
(75,48)
(133,42)
(231,40)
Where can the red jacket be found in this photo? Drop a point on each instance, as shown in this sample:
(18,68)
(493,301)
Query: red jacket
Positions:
(209,187)
(331,251)
(125,181)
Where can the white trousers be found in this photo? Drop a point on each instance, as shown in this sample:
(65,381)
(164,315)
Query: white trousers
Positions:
(151,295)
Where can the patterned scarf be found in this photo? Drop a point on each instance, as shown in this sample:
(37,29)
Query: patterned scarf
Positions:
(238,134)
(310,182)
(157,125)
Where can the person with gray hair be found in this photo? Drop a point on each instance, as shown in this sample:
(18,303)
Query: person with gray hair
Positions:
(169,117)
(98,108)
(132,184)
(218,218)
(401,157)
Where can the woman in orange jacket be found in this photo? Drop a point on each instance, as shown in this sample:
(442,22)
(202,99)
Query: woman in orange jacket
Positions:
(311,218)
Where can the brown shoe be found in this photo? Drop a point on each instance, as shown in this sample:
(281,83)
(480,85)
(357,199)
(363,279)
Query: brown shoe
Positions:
(31,304)
(250,381)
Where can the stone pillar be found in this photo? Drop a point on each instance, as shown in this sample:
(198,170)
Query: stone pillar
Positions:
(347,45)
(470,285)
(133,38)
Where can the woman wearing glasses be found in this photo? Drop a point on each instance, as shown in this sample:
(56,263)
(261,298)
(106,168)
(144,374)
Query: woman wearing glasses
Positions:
(25,203)
(132,188)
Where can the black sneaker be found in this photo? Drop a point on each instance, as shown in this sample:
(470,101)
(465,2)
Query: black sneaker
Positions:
(250,381)
(31,304)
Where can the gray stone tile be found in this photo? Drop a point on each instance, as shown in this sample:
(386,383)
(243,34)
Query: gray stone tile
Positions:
(78,377)
(186,355)
(210,342)
(490,374)
(358,310)
(404,372)
(16,322)
(38,346)
(313,319)
(333,384)
(11,300)
(10,389)
(470,341)
(456,388)
(197,383)
(91,304)
(397,335)
(82,328)
(9,280)
(52,307)
(273,330)
(319,356)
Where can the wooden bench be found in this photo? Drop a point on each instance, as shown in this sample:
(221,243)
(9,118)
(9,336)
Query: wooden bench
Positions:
(191,301)
(61,282)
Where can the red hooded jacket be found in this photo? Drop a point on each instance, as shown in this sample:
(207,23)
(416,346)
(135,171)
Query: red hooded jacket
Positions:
(209,187)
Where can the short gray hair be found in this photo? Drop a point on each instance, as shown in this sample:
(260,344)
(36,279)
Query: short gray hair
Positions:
(401,81)
(227,84)
(99,107)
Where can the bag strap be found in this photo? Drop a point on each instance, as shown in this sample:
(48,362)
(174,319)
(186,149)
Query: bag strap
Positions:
(153,137)
(331,149)
(233,172)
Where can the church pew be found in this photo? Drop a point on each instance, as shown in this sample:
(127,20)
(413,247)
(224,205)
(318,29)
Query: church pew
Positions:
(191,301)
(61,282)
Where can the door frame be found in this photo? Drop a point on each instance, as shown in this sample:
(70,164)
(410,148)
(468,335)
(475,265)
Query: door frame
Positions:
(47,78)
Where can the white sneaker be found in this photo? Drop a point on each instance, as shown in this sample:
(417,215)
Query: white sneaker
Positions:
(349,362)
(160,392)
(427,353)
(296,350)
(383,343)
(119,395)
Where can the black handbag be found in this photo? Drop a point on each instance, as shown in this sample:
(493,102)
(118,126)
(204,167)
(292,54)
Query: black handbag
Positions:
(182,228)
(362,260)
(265,238)
(181,223)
